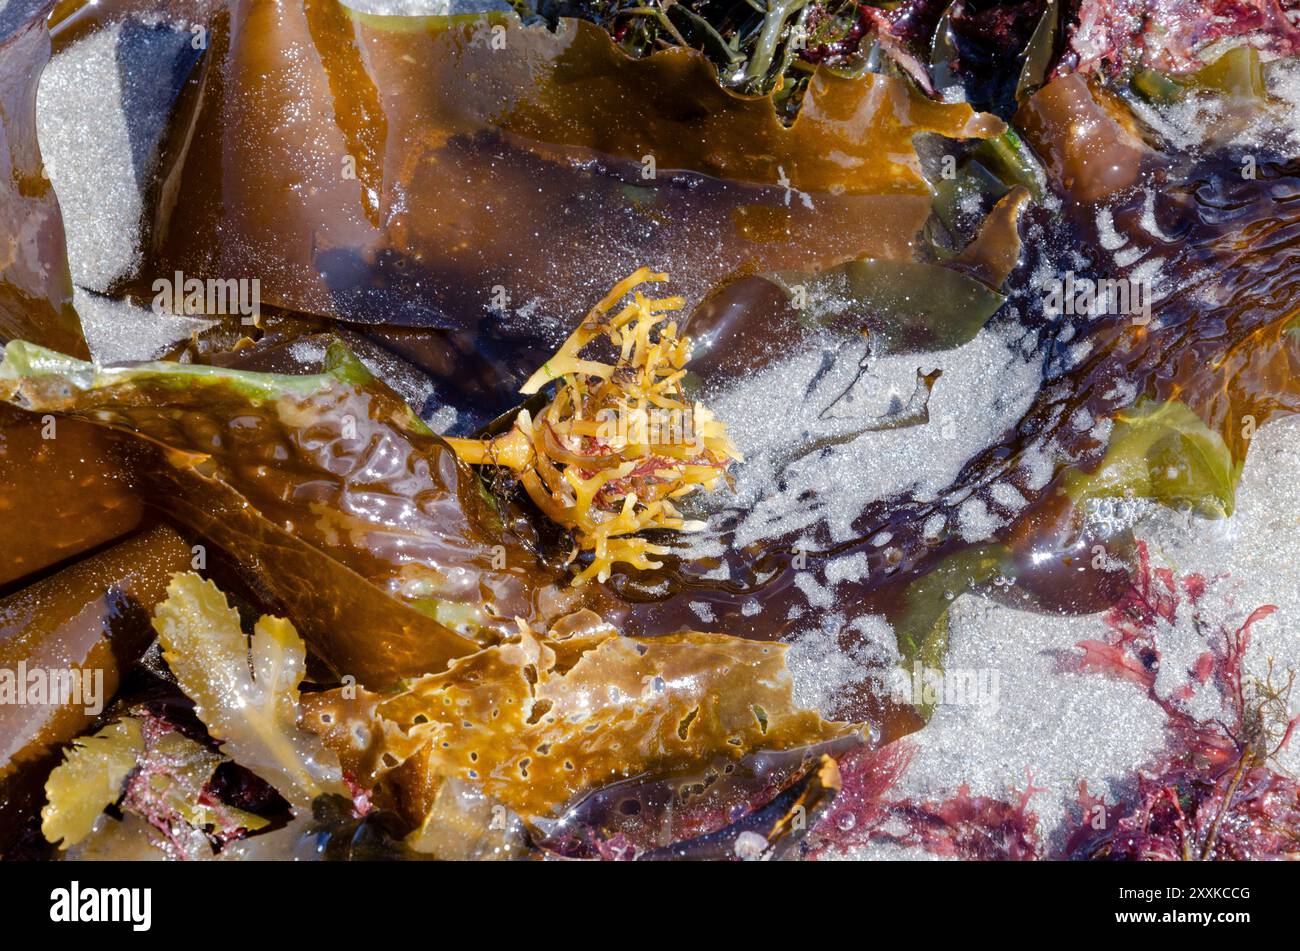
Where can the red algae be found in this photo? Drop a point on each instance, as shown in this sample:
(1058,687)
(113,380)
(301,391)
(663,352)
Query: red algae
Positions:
(1213,793)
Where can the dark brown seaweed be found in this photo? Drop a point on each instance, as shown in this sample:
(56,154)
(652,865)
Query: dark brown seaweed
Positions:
(35,283)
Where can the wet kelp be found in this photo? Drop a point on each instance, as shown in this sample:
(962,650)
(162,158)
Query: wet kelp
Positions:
(332,475)
(67,467)
(529,123)
(245,692)
(35,284)
(525,728)
(329,489)
(361,226)
(76,476)
(320,142)
(1214,361)
(93,617)
(537,722)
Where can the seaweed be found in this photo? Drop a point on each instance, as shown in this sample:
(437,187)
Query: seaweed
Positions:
(620,445)
(92,776)
(903,306)
(642,159)
(35,283)
(245,693)
(537,723)
(245,690)
(336,499)
(961,826)
(1167,453)
(66,467)
(1215,793)
(726,141)
(89,620)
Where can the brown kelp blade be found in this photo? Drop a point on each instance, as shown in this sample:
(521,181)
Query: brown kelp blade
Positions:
(326,144)
(65,474)
(703,811)
(35,283)
(73,20)
(539,722)
(92,617)
(330,493)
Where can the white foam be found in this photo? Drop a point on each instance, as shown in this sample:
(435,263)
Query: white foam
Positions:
(767,415)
